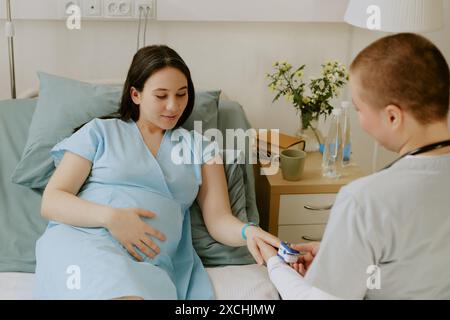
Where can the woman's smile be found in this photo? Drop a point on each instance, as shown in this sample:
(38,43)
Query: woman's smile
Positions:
(170,118)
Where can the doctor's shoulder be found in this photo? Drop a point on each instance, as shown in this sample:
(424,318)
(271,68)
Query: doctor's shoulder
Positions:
(362,204)
(379,180)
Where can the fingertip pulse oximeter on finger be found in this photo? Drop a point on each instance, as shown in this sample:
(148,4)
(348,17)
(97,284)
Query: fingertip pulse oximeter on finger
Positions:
(288,254)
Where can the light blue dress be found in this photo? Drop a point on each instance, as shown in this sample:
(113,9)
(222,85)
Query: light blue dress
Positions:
(89,263)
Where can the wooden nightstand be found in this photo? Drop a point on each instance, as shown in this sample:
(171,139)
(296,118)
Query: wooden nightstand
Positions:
(297,211)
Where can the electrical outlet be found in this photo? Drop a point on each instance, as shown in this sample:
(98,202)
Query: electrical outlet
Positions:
(118,8)
(64,5)
(92,8)
(145,5)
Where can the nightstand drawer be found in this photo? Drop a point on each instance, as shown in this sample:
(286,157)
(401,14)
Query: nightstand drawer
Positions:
(305,208)
(301,233)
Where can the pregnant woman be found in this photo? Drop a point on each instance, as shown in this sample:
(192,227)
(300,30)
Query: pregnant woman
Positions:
(118,203)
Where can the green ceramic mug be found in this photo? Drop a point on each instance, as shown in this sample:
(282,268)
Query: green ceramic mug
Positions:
(292,163)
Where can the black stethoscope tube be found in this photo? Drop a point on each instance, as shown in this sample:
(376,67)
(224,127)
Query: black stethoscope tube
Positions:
(429,147)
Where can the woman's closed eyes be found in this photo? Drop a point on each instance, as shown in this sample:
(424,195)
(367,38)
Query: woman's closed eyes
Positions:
(165,96)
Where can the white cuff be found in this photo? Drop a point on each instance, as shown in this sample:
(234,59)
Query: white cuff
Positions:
(274,262)
(290,284)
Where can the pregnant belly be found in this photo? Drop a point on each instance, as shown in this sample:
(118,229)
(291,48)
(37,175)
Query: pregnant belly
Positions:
(168,213)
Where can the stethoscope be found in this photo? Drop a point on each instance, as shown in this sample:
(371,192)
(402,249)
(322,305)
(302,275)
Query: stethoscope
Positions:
(427,148)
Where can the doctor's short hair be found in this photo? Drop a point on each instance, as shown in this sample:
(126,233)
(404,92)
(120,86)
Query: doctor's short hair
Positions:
(145,63)
(406,70)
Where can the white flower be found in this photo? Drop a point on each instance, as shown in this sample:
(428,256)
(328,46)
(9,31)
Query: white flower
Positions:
(284,66)
(290,97)
(331,78)
(299,74)
(321,85)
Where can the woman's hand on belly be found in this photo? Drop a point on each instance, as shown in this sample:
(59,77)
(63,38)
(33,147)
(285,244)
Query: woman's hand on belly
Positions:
(126,225)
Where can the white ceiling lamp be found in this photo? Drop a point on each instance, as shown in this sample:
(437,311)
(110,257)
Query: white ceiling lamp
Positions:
(396,15)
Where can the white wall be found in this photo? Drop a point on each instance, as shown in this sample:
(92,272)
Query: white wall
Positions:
(231,56)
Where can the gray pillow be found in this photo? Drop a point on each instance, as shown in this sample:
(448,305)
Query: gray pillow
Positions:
(211,252)
(65,104)
(205,110)
(20,220)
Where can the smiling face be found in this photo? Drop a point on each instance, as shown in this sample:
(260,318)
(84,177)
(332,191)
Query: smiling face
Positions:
(163,98)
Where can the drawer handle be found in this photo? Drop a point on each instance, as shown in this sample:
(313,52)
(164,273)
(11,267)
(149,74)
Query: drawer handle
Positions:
(311,239)
(313,208)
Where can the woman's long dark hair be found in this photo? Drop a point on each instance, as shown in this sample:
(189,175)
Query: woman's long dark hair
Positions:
(146,62)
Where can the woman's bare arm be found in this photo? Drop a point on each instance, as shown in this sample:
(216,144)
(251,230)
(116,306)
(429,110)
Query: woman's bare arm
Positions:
(215,205)
(219,220)
(59,201)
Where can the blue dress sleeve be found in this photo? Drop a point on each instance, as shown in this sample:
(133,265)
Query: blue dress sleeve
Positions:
(85,143)
(204,150)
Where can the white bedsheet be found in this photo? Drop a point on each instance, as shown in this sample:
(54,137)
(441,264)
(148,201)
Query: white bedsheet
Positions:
(249,282)
(16,285)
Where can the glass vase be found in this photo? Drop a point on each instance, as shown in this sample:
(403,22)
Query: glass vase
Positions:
(312,136)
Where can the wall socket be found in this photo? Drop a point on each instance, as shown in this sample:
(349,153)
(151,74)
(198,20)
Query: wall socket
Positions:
(109,9)
(92,8)
(145,5)
(118,8)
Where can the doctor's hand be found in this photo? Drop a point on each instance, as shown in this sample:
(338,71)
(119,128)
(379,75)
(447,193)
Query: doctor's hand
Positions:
(127,226)
(267,251)
(304,261)
(259,242)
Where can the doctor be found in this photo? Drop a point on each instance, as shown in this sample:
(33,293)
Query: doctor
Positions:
(388,236)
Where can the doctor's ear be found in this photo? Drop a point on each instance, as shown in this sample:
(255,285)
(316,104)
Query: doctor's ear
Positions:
(135,96)
(394,116)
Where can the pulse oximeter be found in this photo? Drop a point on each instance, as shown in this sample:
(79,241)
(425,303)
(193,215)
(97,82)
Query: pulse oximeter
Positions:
(288,254)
